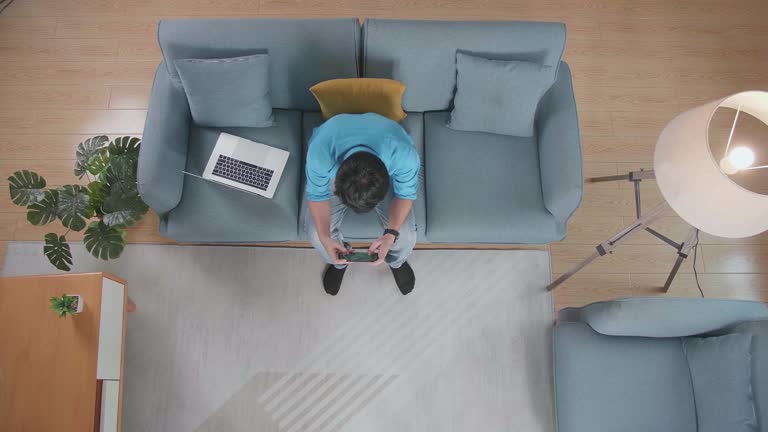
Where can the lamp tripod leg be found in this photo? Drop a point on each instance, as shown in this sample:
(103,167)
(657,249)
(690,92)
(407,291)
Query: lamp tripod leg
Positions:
(609,245)
(682,254)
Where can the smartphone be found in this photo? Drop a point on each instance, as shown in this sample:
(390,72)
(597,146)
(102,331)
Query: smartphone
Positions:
(359,257)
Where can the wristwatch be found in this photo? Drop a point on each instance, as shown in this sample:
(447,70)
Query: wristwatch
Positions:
(395,233)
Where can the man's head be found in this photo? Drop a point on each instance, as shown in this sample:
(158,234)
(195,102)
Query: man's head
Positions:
(362,181)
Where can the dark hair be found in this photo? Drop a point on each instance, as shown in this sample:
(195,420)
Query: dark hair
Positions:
(362,181)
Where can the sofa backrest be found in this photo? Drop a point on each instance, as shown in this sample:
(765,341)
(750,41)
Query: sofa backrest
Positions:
(302,52)
(422,54)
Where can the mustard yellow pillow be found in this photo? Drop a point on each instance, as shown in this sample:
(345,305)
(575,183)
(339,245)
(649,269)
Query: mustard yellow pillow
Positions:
(360,95)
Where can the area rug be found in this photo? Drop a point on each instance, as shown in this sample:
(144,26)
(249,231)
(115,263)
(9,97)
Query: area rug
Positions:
(245,339)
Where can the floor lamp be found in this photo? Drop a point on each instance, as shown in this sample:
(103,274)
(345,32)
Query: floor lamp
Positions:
(696,183)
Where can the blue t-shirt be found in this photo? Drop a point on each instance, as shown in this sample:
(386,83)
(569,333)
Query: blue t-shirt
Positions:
(345,134)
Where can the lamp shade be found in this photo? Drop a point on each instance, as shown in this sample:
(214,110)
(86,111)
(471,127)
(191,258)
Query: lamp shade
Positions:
(691,177)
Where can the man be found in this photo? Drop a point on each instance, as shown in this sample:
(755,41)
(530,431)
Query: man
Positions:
(351,162)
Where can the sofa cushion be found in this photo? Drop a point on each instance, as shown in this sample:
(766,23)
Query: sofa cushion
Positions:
(366,226)
(360,96)
(627,384)
(302,52)
(759,332)
(484,188)
(422,54)
(722,382)
(209,212)
(232,92)
(498,96)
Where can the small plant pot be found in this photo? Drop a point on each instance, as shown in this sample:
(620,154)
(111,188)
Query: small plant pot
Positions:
(79,301)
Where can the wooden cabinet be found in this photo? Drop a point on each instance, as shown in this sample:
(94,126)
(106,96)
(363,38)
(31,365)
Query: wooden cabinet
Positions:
(62,374)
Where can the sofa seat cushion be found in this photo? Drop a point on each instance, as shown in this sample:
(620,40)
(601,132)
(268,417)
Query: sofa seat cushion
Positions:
(627,384)
(209,212)
(366,226)
(484,188)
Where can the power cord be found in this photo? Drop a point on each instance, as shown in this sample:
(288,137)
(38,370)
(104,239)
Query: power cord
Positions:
(696,273)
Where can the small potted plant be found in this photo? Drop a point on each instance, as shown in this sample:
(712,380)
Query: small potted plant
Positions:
(66,304)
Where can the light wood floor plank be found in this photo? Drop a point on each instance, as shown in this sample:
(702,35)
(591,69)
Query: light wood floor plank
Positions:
(85,50)
(595,123)
(77,73)
(27,28)
(743,286)
(192,7)
(139,49)
(56,8)
(107,27)
(736,258)
(615,202)
(129,96)
(55,172)
(600,169)
(651,30)
(7,225)
(73,121)
(363,8)
(33,146)
(641,123)
(626,98)
(50,97)
(617,149)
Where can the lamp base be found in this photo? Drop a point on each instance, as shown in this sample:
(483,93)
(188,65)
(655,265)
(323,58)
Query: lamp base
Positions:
(642,223)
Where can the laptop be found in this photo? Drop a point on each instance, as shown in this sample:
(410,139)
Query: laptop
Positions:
(246,165)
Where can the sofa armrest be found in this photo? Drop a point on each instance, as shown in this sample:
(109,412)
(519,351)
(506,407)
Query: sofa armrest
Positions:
(668,317)
(163,153)
(557,126)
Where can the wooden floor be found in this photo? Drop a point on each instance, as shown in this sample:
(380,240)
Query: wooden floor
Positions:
(73,68)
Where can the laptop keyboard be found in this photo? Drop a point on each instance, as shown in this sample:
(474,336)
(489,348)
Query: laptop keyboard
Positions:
(243,172)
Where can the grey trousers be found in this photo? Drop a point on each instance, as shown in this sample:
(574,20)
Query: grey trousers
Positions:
(398,253)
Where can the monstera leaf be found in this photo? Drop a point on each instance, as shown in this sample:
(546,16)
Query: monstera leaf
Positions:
(123,210)
(57,251)
(45,210)
(86,151)
(104,242)
(73,207)
(26,187)
(125,146)
(97,193)
(99,163)
(121,175)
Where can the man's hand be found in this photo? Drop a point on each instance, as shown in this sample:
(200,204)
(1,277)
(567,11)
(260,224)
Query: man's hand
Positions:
(333,249)
(381,247)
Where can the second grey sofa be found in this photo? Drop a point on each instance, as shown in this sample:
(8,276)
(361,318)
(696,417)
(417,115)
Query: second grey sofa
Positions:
(620,365)
(475,187)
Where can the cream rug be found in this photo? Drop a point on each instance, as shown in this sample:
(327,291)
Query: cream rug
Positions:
(245,339)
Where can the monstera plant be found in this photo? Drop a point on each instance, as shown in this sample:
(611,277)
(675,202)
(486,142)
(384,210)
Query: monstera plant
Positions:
(104,208)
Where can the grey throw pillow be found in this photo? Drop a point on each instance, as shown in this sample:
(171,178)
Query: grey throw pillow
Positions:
(231,92)
(721,372)
(498,96)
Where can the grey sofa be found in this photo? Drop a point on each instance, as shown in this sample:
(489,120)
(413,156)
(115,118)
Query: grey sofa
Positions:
(619,365)
(475,187)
